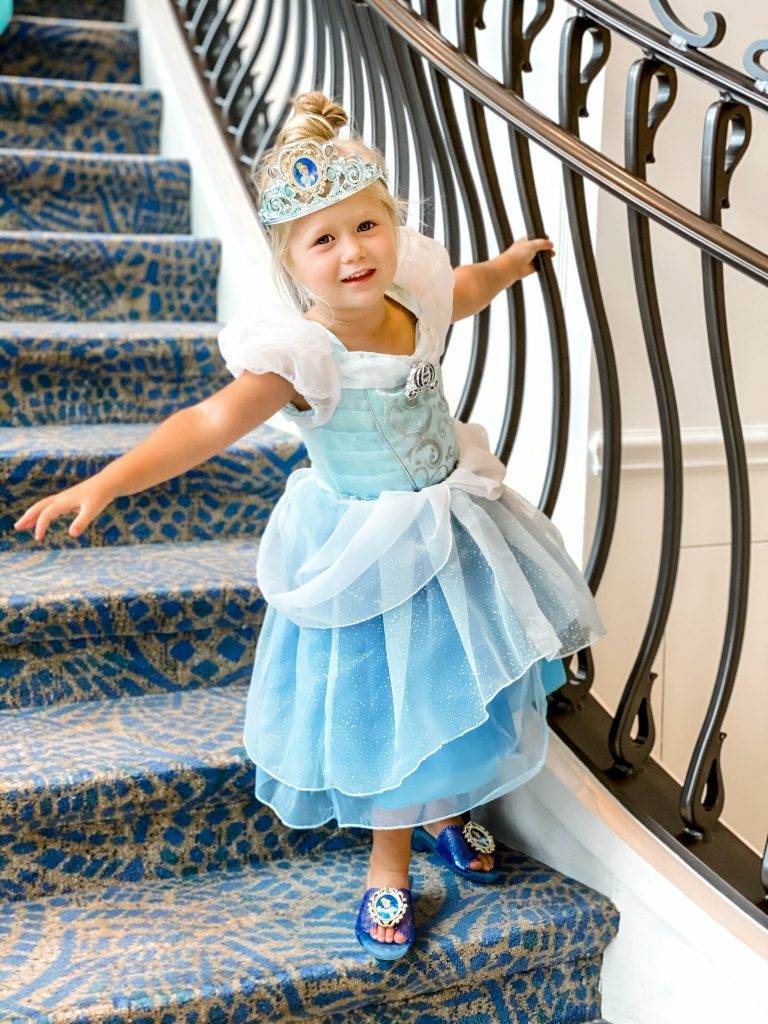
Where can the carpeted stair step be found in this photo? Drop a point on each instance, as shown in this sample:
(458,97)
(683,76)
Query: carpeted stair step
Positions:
(45,113)
(62,276)
(229,495)
(109,10)
(156,786)
(275,942)
(99,623)
(105,372)
(86,51)
(45,190)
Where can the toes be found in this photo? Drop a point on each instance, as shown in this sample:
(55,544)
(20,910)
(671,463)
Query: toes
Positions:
(400,937)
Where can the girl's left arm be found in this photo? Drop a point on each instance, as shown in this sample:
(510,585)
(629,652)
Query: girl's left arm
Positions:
(476,284)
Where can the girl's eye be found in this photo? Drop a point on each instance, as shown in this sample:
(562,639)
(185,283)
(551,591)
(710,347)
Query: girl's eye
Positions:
(317,241)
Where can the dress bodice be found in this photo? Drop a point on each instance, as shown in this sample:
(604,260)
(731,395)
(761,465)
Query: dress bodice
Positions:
(378,439)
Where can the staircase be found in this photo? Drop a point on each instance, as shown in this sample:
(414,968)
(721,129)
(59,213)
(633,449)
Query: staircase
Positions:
(139,878)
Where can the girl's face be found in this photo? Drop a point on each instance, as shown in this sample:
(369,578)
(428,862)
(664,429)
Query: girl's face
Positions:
(328,249)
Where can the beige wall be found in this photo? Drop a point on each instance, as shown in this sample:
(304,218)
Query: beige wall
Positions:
(688,659)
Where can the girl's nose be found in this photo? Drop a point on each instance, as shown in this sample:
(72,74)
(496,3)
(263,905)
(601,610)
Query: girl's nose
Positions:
(354,249)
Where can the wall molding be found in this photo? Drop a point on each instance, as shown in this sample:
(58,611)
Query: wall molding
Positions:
(702,449)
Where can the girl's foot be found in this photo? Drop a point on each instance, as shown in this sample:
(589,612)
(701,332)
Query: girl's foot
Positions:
(381,876)
(482,862)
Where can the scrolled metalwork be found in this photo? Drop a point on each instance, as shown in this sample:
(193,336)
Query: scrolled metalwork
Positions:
(752,62)
(682,37)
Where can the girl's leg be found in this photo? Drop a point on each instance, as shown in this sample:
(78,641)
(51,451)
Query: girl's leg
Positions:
(390,860)
(482,862)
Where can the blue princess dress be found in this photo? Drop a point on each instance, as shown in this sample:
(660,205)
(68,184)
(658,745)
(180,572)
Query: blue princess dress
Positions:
(417,609)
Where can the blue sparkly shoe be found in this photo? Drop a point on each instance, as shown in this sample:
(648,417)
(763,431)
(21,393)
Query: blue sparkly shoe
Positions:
(456,846)
(389,907)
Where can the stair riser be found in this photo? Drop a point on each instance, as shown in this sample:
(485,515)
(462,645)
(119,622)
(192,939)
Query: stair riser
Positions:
(49,115)
(52,672)
(567,993)
(73,51)
(66,378)
(59,192)
(224,833)
(50,277)
(229,495)
(105,10)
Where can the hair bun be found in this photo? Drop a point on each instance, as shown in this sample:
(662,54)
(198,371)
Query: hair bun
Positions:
(314,116)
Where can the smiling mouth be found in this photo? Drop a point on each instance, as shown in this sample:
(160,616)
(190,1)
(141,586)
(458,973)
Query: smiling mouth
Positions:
(364,275)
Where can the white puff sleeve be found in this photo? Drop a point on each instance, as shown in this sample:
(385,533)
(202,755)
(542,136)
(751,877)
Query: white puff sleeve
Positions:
(425,270)
(279,340)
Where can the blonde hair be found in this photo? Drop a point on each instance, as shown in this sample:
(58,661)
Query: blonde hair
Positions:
(316,116)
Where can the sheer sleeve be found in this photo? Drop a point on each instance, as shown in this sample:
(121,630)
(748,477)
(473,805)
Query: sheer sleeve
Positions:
(425,270)
(279,340)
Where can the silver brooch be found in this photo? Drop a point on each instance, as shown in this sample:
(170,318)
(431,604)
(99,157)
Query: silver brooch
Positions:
(422,375)
(478,837)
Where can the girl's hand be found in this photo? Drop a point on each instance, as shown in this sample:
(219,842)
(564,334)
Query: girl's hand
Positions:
(519,256)
(89,497)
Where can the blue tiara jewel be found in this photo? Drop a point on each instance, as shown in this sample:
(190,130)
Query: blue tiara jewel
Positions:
(309,175)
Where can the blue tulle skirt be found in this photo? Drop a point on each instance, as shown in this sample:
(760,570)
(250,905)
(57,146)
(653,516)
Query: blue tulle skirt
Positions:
(394,721)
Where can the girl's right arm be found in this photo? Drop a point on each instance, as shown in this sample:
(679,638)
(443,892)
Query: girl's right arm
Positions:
(183,440)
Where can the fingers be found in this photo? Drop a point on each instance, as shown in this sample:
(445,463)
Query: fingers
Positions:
(28,518)
(43,512)
(49,513)
(542,245)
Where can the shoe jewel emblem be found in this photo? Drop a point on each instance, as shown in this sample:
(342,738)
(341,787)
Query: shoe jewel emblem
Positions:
(478,837)
(422,375)
(387,906)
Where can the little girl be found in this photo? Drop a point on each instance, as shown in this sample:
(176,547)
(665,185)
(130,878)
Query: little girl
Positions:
(417,609)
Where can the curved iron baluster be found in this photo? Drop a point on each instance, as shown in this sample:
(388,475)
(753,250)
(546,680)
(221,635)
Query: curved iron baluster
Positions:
(445,189)
(727,131)
(643,120)
(275,124)
(764,869)
(575,81)
(471,203)
(396,100)
(241,89)
(752,62)
(201,20)
(228,64)
(350,30)
(682,37)
(216,35)
(365,20)
(516,50)
(469,17)
(257,110)
(335,52)
(426,154)
(319,49)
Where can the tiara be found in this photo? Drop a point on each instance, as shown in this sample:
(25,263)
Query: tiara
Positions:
(312,174)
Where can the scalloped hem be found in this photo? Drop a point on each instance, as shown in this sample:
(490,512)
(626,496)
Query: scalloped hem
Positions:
(489,758)
(438,815)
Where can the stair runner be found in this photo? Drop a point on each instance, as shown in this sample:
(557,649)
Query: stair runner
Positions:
(140,879)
